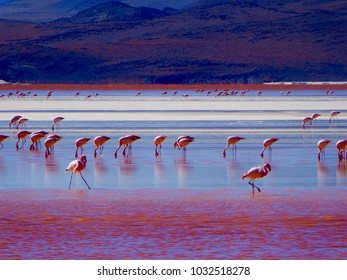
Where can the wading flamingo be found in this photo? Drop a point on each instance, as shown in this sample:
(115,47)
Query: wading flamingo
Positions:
(14,121)
(21,136)
(79,145)
(99,142)
(182,137)
(157,142)
(49,144)
(232,140)
(341,147)
(267,144)
(126,142)
(315,116)
(21,122)
(321,145)
(182,142)
(35,138)
(255,173)
(56,121)
(75,166)
(306,122)
(333,115)
(2,138)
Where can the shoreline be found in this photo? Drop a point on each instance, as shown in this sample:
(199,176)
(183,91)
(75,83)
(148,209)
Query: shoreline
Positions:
(280,86)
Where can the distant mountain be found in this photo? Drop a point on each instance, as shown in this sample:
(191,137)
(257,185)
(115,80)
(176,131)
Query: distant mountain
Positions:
(210,41)
(48,10)
(115,11)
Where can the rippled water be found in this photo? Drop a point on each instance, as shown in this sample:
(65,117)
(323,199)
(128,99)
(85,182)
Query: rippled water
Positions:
(175,207)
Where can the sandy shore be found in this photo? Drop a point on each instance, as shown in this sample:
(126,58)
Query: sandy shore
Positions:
(323,86)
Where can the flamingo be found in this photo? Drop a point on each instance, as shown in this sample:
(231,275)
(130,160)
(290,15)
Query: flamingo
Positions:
(321,145)
(306,122)
(99,142)
(21,136)
(126,142)
(75,166)
(21,122)
(79,144)
(182,137)
(315,116)
(232,140)
(2,138)
(341,147)
(267,144)
(182,142)
(35,138)
(49,144)
(333,115)
(157,142)
(255,173)
(14,121)
(56,121)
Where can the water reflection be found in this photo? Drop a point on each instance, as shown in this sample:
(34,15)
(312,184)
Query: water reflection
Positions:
(184,171)
(341,174)
(160,180)
(323,174)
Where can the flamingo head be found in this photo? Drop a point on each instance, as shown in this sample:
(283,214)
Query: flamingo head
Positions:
(267,167)
(175,144)
(84,159)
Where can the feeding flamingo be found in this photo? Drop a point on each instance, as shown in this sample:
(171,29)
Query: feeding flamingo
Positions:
(306,122)
(232,140)
(315,116)
(157,142)
(56,121)
(333,115)
(267,144)
(2,138)
(77,165)
(49,144)
(126,142)
(14,121)
(182,142)
(321,145)
(21,135)
(341,147)
(99,142)
(79,145)
(21,122)
(35,138)
(255,173)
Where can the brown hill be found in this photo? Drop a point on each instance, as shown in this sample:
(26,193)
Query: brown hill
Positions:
(213,41)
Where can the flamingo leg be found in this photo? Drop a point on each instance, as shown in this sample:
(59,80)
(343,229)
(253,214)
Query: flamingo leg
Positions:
(70,180)
(85,181)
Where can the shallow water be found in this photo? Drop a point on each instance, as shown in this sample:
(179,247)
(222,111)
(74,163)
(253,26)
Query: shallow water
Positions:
(176,207)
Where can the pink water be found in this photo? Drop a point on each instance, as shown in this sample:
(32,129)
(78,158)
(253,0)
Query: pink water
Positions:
(167,224)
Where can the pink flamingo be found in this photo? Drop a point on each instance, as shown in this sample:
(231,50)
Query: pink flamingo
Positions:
(321,145)
(255,173)
(21,122)
(341,147)
(182,142)
(79,145)
(35,138)
(333,115)
(14,121)
(267,144)
(2,138)
(21,136)
(306,122)
(232,140)
(99,142)
(126,142)
(75,166)
(49,144)
(315,116)
(157,142)
(56,121)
